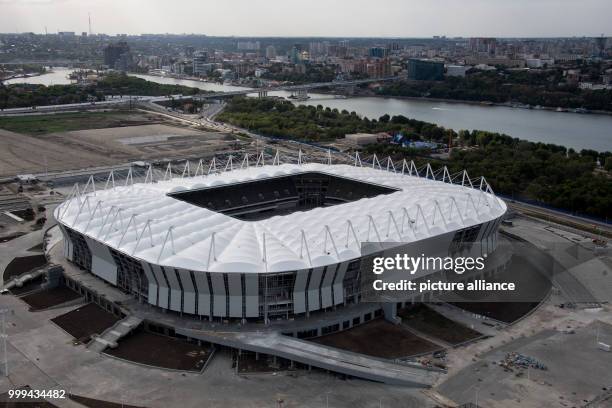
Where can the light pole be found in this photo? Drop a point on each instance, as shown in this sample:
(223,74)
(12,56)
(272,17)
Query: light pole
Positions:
(4,340)
(529,372)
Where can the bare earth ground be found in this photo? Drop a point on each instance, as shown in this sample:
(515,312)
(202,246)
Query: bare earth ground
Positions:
(23,264)
(393,341)
(49,297)
(161,351)
(78,149)
(40,124)
(26,154)
(430,322)
(86,321)
(94,403)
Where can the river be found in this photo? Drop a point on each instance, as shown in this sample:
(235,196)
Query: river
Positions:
(580,131)
(54,76)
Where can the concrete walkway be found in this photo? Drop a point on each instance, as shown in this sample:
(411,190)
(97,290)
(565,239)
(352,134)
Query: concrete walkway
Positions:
(471,320)
(18,247)
(328,358)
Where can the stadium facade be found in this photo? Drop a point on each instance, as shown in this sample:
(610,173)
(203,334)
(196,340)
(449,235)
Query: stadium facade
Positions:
(269,241)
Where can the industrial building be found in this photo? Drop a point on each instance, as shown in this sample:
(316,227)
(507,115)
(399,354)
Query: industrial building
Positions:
(457,70)
(363,139)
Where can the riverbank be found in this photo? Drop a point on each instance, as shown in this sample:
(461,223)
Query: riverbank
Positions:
(182,78)
(26,76)
(578,131)
(368,93)
(512,105)
(504,104)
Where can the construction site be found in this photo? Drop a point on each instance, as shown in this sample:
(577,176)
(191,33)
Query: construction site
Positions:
(69,330)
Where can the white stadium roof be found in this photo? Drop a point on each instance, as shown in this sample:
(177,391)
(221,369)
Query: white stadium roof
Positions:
(142,221)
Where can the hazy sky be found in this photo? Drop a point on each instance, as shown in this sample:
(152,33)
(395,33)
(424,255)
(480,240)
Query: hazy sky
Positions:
(338,18)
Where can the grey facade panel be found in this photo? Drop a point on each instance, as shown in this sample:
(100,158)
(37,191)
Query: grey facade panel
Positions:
(251,283)
(152,297)
(102,262)
(299,291)
(326,287)
(234,285)
(481,239)
(69,252)
(495,233)
(162,300)
(485,241)
(175,289)
(68,249)
(338,288)
(203,293)
(219,295)
(189,296)
(313,289)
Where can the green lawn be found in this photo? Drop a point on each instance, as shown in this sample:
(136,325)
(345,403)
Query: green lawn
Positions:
(65,122)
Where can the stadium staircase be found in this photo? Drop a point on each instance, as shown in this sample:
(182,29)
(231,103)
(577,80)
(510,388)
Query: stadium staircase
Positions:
(111,336)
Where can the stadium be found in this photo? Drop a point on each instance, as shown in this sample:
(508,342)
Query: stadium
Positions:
(270,242)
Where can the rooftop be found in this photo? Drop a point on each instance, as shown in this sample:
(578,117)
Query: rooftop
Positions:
(149,222)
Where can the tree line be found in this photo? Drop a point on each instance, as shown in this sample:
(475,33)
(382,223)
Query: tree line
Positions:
(312,73)
(26,95)
(544,88)
(282,119)
(546,173)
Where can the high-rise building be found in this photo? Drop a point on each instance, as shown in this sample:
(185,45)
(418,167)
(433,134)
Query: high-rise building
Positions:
(318,49)
(483,45)
(425,70)
(394,46)
(270,52)
(378,68)
(200,63)
(295,55)
(114,52)
(378,52)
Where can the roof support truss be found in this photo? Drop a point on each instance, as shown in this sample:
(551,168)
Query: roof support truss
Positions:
(168,237)
(186,170)
(304,247)
(168,173)
(147,226)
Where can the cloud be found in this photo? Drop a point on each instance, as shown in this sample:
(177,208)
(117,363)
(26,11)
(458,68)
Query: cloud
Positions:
(340,18)
(31,2)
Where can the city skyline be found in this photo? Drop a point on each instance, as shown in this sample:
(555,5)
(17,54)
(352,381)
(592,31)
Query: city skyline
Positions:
(242,18)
